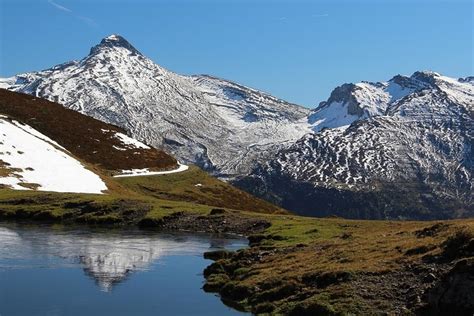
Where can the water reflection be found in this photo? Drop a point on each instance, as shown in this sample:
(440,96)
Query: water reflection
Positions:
(107,256)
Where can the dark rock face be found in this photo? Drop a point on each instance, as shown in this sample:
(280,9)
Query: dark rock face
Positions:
(112,42)
(454,293)
(391,201)
(342,94)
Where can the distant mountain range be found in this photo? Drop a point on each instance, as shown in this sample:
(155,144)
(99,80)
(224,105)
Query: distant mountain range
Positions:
(396,149)
(407,153)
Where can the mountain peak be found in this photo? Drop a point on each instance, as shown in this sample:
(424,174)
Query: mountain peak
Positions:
(419,80)
(427,77)
(113,37)
(114,41)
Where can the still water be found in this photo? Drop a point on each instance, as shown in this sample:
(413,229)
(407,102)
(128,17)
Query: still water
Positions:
(55,270)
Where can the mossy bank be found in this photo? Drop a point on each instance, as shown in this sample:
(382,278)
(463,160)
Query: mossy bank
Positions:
(302,266)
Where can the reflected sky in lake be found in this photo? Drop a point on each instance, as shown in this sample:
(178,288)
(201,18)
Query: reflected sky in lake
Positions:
(53,270)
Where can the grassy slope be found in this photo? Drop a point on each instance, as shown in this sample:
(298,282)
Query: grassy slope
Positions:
(196,186)
(132,199)
(308,266)
(88,208)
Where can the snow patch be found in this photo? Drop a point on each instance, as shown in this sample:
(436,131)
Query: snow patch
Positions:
(39,160)
(334,116)
(147,172)
(126,140)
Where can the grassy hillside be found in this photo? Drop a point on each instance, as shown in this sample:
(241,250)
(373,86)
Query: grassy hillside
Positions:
(196,186)
(88,139)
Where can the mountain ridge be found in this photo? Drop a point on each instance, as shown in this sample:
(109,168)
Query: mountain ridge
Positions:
(412,160)
(415,129)
(185,115)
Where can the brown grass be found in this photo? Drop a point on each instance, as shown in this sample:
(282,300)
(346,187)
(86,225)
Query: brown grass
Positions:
(306,266)
(80,134)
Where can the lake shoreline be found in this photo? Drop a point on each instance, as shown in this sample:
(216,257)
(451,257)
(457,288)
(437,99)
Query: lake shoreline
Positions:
(217,221)
(305,266)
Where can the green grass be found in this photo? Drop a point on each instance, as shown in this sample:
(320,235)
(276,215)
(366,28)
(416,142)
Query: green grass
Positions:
(160,195)
(302,230)
(106,208)
(196,186)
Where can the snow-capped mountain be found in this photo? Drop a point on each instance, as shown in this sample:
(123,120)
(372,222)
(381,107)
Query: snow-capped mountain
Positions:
(220,125)
(402,148)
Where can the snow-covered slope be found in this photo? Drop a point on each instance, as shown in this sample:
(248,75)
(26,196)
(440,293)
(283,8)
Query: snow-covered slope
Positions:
(220,125)
(411,134)
(47,147)
(30,160)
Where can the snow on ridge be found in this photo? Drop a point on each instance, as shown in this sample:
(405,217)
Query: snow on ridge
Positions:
(333,116)
(35,160)
(211,122)
(352,102)
(113,37)
(147,172)
(129,142)
(423,132)
(6,83)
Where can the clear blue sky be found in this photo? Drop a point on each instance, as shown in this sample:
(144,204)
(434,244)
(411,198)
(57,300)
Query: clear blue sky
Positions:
(296,50)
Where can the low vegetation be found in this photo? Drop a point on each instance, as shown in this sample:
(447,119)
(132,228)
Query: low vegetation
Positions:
(197,186)
(302,266)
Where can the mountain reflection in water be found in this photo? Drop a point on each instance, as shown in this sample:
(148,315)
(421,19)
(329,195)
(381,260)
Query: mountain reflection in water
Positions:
(108,256)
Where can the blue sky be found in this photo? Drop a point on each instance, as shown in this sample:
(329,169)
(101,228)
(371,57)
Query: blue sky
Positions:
(296,50)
